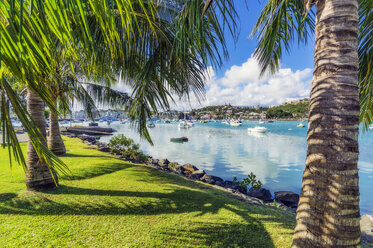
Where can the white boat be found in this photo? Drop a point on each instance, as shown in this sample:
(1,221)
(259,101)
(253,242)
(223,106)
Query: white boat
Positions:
(370,126)
(151,125)
(225,122)
(183,124)
(257,129)
(235,123)
(261,121)
(300,124)
(190,123)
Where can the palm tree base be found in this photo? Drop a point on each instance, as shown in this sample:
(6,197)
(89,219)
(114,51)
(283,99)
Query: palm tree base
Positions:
(41,179)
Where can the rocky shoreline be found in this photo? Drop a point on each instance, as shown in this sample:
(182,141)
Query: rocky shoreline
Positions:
(286,200)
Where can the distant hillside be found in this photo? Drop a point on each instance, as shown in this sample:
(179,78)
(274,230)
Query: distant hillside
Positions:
(289,110)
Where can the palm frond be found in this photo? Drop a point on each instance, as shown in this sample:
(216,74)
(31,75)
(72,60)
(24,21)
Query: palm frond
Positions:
(280,23)
(365,61)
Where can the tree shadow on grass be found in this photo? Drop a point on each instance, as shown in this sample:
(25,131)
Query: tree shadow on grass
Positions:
(97,170)
(72,155)
(7,196)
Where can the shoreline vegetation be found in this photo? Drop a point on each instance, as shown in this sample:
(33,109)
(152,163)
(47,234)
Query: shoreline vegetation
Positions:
(109,201)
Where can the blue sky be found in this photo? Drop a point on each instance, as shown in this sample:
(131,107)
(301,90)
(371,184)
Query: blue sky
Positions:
(300,57)
(237,82)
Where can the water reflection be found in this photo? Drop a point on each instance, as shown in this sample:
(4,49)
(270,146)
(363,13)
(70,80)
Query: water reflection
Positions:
(277,157)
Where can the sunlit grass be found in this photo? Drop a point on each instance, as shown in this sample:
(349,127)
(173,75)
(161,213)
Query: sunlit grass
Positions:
(112,203)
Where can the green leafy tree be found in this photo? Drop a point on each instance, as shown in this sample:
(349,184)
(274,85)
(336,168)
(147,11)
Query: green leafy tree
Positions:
(160,48)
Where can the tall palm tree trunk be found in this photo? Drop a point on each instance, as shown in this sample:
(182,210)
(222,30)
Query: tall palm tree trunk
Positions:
(328,213)
(38,175)
(55,142)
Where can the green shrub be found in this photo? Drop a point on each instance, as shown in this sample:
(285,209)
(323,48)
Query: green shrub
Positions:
(127,148)
(250,180)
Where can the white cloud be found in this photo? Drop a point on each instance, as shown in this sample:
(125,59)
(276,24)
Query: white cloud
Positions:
(242,86)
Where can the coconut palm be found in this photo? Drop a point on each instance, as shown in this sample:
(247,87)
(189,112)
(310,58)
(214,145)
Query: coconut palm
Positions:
(328,213)
(67,89)
(158,54)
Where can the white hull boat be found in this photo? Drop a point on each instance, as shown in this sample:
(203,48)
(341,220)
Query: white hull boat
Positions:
(235,123)
(257,129)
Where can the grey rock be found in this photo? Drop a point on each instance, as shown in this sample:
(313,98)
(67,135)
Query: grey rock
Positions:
(366,225)
(234,185)
(196,175)
(288,198)
(189,168)
(163,162)
(262,194)
(211,179)
(104,149)
(175,167)
(220,183)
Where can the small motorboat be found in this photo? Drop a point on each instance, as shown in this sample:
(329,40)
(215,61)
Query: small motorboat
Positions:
(151,125)
(300,124)
(190,123)
(235,123)
(370,126)
(179,140)
(261,121)
(257,129)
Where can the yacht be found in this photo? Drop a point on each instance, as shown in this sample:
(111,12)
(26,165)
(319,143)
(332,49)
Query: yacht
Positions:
(235,123)
(257,129)
(300,124)
(190,123)
(183,124)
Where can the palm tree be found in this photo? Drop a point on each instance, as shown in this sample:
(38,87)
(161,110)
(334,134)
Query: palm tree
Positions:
(38,175)
(328,213)
(88,94)
(159,54)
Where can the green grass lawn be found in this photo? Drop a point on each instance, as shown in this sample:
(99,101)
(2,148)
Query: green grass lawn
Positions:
(112,203)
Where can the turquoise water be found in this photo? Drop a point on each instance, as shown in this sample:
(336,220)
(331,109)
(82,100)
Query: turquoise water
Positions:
(277,158)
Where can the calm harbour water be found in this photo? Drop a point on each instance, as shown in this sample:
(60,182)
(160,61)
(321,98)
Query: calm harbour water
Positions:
(277,158)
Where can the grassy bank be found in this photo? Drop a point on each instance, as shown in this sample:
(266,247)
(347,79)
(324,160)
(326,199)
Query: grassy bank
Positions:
(112,203)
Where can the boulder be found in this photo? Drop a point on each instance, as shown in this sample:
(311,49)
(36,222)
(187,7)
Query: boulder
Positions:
(189,168)
(234,185)
(262,194)
(288,198)
(196,175)
(163,162)
(211,179)
(366,224)
(219,183)
(175,167)
(104,149)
